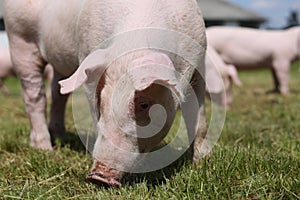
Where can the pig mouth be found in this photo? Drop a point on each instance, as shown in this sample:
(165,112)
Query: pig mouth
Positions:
(98,178)
(103,175)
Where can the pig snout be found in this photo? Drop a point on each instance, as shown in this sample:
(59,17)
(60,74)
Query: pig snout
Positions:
(102,174)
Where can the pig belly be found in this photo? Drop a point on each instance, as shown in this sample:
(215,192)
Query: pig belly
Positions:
(58,43)
(65,67)
(243,58)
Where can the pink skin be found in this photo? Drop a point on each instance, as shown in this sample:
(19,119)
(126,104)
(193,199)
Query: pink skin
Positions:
(215,68)
(37,39)
(6,70)
(247,48)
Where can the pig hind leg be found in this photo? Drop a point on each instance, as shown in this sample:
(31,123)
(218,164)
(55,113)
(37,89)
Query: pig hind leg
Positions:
(276,81)
(58,107)
(29,66)
(281,76)
(194,115)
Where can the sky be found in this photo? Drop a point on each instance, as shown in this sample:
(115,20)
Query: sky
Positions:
(276,11)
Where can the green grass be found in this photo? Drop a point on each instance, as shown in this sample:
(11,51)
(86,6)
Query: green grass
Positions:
(257,155)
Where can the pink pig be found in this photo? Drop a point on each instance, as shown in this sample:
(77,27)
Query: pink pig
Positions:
(6,69)
(72,36)
(247,48)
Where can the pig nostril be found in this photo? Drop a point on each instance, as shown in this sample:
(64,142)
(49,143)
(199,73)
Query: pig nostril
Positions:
(144,106)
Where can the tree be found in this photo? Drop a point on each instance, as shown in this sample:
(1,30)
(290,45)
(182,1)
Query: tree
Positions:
(293,19)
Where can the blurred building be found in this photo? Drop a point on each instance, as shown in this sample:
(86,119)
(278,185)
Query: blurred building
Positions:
(293,19)
(221,12)
(1,16)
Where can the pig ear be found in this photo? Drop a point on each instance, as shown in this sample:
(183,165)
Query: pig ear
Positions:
(155,68)
(232,72)
(92,67)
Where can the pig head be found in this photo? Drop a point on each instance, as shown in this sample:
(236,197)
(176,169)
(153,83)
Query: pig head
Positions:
(219,78)
(126,126)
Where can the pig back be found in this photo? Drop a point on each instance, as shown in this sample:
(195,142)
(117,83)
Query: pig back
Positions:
(183,18)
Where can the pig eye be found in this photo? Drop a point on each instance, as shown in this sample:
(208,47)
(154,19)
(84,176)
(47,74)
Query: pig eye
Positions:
(144,106)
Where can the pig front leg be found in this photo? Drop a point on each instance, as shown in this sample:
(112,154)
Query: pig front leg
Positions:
(194,115)
(58,107)
(281,76)
(29,66)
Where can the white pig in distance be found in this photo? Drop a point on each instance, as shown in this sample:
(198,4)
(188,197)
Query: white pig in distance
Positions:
(248,48)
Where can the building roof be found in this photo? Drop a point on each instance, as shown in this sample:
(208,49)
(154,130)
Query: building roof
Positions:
(225,11)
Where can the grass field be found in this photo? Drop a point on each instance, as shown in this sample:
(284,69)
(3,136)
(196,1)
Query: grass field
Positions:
(257,155)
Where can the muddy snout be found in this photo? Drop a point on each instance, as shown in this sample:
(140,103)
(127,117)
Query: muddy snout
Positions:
(104,175)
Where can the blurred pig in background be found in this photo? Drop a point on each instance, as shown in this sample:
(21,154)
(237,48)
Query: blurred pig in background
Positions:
(247,48)
(219,78)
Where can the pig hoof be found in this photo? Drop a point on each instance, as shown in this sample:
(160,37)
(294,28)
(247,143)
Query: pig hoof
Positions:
(45,145)
(100,178)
